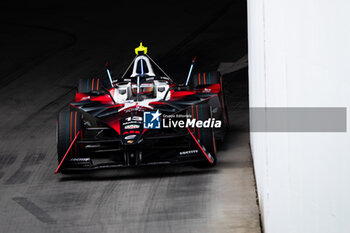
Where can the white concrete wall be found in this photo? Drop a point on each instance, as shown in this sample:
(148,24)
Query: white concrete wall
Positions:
(299,56)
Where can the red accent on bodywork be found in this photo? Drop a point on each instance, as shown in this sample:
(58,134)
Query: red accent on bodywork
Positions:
(116,106)
(70,127)
(211,97)
(75,130)
(65,155)
(157,103)
(214,88)
(80,97)
(103,99)
(181,94)
(115,124)
(199,132)
(74,106)
(112,91)
(200,147)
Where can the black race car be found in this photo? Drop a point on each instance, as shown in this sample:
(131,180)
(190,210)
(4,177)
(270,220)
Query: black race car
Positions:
(142,118)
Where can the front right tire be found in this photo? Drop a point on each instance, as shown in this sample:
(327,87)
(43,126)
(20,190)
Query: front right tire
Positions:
(205,136)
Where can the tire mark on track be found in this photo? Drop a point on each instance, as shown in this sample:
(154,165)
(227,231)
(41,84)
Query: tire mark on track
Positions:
(101,201)
(151,203)
(5,161)
(106,193)
(35,210)
(21,175)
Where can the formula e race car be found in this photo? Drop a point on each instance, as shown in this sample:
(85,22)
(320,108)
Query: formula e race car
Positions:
(142,118)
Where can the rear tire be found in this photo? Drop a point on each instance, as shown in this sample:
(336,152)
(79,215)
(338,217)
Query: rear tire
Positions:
(205,78)
(223,99)
(88,85)
(208,78)
(69,123)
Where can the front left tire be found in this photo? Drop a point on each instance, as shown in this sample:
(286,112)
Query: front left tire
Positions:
(69,123)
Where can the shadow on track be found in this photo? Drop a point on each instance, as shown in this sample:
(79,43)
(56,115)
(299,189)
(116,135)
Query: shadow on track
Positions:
(136,173)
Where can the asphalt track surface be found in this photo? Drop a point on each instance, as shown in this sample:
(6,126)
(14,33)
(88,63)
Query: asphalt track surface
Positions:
(44,52)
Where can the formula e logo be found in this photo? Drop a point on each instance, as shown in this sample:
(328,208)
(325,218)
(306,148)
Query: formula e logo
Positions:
(151,120)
